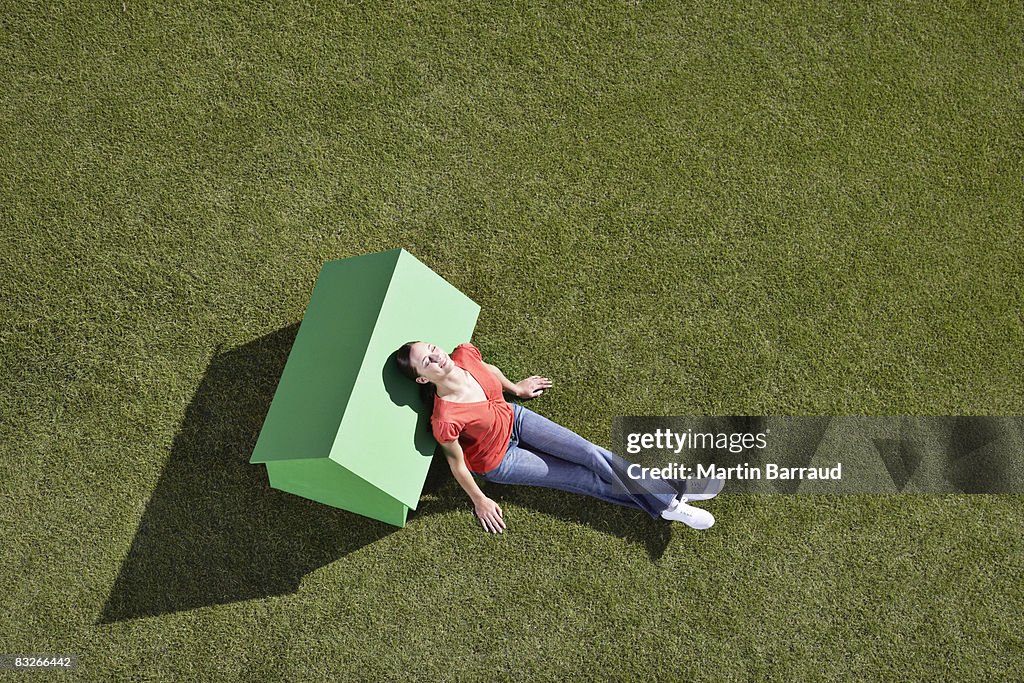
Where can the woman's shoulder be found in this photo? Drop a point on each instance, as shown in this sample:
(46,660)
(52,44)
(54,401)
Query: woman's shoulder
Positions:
(442,412)
(468,350)
(451,417)
(445,428)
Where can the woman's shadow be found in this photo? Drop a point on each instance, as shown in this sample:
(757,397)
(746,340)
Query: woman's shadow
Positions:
(214,532)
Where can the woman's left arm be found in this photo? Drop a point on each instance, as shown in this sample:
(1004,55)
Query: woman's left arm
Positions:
(531,387)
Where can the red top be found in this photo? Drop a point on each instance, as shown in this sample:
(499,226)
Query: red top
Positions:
(483,428)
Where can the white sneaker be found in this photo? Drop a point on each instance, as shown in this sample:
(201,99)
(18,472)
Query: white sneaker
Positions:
(689,515)
(703,489)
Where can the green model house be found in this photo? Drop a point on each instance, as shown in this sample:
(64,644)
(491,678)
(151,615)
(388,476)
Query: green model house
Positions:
(345,428)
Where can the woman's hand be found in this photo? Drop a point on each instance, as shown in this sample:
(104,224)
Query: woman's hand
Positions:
(532,387)
(489,514)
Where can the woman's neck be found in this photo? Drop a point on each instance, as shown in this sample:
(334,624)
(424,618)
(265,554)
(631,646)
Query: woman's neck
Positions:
(453,385)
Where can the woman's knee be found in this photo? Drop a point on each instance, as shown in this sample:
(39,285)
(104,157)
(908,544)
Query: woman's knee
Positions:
(598,454)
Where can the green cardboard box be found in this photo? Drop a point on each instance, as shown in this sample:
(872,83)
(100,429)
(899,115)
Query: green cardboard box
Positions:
(345,428)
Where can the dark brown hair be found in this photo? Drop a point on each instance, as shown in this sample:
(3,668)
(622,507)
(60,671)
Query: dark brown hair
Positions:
(428,390)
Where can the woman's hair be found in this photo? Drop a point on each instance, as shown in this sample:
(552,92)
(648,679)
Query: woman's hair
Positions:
(427,390)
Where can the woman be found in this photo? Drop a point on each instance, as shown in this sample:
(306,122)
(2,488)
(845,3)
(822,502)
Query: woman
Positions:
(480,433)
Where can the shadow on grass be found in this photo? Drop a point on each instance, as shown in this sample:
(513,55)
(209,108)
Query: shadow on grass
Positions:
(441,494)
(214,532)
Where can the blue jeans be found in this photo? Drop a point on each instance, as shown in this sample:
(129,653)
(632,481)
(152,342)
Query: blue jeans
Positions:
(542,453)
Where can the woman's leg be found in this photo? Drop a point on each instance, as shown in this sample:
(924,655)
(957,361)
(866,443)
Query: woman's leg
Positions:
(542,436)
(521,466)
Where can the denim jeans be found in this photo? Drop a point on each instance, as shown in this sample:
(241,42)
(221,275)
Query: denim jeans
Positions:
(542,453)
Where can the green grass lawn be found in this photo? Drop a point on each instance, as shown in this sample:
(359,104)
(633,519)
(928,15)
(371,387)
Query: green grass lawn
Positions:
(668,208)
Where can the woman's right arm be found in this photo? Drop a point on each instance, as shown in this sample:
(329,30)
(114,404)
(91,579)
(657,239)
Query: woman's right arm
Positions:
(487,511)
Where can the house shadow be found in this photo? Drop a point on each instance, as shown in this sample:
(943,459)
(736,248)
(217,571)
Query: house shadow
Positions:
(214,532)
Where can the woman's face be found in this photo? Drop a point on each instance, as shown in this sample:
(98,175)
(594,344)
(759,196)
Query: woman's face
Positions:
(430,362)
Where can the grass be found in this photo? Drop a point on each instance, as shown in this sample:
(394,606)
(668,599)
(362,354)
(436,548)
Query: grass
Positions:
(670,209)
